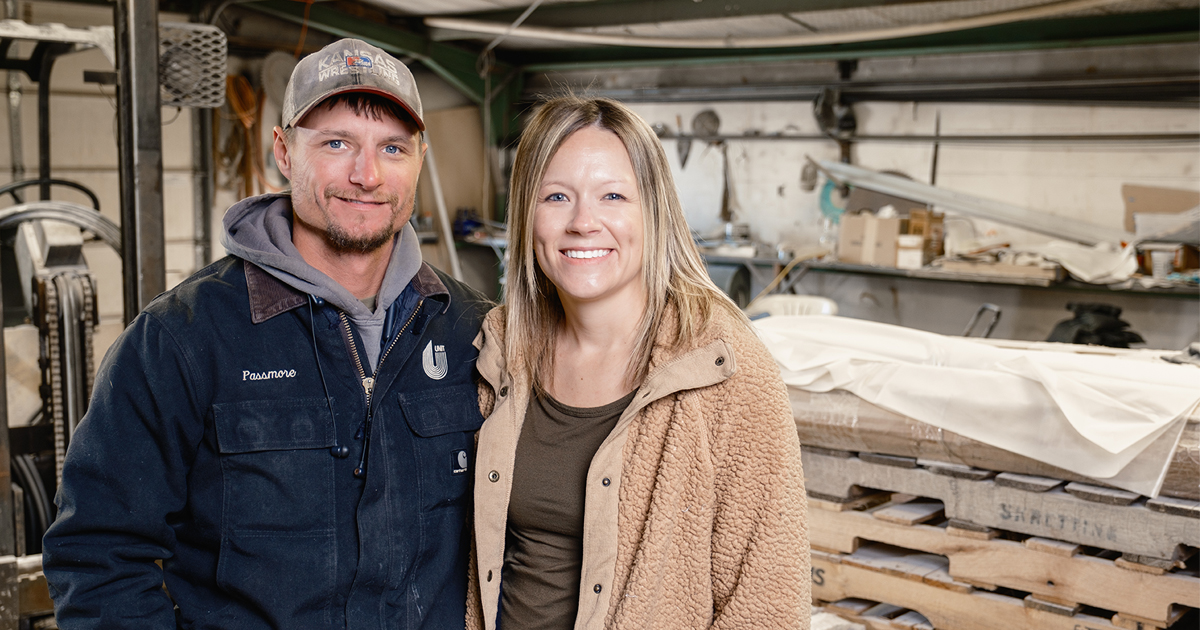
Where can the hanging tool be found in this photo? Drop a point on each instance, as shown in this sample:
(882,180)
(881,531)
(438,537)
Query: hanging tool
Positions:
(683,146)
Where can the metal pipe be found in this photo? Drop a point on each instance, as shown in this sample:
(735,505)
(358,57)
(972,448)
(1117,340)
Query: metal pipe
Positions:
(1099,138)
(202,185)
(44,55)
(785,41)
(15,147)
(135,24)
(1161,91)
(443,216)
(46,65)
(66,212)
(833,54)
(973,206)
(8,543)
(7,535)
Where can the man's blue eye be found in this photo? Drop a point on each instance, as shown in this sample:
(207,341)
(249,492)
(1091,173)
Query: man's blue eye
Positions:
(391,149)
(335,144)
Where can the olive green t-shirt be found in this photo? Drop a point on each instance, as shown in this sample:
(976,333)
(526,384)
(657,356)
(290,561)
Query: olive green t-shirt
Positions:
(543,555)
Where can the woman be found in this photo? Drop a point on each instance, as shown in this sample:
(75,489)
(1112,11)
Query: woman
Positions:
(639,466)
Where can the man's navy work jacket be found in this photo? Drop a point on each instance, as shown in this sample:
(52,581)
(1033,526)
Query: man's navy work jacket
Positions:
(212,443)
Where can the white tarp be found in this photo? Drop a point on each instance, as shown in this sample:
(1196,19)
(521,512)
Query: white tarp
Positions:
(1102,263)
(1110,418)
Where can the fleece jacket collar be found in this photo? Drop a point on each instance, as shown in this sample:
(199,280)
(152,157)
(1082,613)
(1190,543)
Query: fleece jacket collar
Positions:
(707,362)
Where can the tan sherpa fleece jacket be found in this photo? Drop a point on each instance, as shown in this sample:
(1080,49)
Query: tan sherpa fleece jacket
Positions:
(695,506)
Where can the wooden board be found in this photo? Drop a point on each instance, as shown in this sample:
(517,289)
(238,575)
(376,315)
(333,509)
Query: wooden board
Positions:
(1048,569)
(1057,548)
(823,619)
(910,512)
(835,579)
(1032,483)
(1172,505)
(1000,269)
(912,620)
(1111,496)
(843,421)
(1132,529)
(865,615)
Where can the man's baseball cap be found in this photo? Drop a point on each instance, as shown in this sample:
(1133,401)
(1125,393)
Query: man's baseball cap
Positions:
(349,65)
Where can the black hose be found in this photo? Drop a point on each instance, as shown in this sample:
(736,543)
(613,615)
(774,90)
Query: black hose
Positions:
(13,187)
(36,492)
(38,513)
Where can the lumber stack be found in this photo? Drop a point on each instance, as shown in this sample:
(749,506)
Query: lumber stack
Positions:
(900,542)
(842,421)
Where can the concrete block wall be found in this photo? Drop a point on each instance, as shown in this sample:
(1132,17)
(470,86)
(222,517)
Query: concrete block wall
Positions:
(1076,181)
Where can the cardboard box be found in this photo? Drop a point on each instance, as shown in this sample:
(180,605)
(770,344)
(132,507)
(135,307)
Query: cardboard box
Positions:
(910,251)
(1182,257)
(1155,200)
(867,240)
(930,226)
(457,134)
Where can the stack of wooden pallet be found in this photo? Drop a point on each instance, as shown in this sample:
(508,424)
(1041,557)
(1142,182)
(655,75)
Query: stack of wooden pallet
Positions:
(906,540)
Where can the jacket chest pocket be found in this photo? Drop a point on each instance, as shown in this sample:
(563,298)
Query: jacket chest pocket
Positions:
(277,469)
(443,422)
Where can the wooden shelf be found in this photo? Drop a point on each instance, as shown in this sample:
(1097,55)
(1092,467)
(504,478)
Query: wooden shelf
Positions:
(928,273)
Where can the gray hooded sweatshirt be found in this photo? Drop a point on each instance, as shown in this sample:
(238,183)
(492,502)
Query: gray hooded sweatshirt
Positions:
(259,229)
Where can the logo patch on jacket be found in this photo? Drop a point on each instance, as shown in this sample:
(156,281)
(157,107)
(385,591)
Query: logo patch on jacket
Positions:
(433,360)
(459,462)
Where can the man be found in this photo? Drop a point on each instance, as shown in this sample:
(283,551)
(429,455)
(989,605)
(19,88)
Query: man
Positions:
(289,431)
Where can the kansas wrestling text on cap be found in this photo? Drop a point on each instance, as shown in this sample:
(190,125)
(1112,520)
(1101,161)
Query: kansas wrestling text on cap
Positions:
(349,65)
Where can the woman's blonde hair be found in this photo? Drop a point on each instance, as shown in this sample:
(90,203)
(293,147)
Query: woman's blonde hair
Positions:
(672,271)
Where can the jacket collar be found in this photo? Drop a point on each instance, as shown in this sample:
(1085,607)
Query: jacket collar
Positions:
(269,296)
(429,285)
(707,361)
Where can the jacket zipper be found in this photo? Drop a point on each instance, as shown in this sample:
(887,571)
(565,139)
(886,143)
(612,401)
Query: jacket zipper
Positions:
(368,382)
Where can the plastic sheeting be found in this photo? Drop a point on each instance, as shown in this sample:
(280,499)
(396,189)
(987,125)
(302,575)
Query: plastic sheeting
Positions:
(1103,263)
(1111,418)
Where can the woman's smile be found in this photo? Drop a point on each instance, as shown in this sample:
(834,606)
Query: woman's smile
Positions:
(587,227)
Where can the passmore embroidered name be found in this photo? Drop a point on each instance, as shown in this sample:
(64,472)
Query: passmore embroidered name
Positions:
(247,375)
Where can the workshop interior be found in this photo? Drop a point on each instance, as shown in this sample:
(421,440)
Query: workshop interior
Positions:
(967,230)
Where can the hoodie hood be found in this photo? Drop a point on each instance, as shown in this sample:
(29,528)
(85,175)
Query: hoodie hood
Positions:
(259,230)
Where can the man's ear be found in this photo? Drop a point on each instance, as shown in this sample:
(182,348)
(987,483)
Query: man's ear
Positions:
(283,158)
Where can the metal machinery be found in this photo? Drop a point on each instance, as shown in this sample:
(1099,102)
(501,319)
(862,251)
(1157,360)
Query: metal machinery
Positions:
(44,277)
(46,282)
